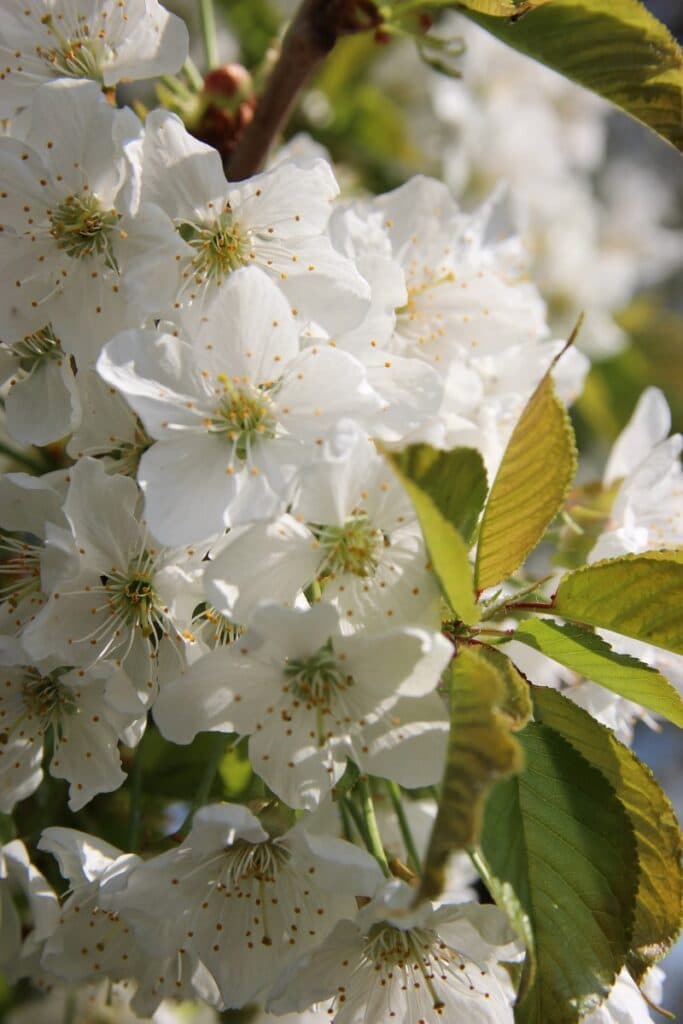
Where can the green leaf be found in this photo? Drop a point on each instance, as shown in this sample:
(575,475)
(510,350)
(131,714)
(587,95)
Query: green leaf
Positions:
(174,771)
(591,656)
(446,489)
(235,770)
(558,835)
(529,489)
(455,481)
(480,750)
(658,838)
(614,47)
(637,595)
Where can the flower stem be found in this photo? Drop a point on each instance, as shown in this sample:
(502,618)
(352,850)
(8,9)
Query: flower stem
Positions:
(397,803)
(24,458)
(374,839)
(355,816)
(193,75)
(208,24)
(311,35)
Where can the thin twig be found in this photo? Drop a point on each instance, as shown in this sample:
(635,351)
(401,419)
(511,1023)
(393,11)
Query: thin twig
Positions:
(209,35)
(309,39)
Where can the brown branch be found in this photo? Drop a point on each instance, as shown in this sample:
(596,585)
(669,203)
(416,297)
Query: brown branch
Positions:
(310,37)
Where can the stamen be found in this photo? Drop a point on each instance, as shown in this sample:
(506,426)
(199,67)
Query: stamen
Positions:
(352,548)
(76,57)
(244,415)
(219,248)
(82,228)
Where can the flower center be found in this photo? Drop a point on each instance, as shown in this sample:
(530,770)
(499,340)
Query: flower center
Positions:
(244,415)
(129,452)
(351,548)
(258,861)
(46,698)
(218,249)
(36,348)
(423,958)
(19,569)
(82,228)
(215,628)
(133,599)
(79,57)
(317,678)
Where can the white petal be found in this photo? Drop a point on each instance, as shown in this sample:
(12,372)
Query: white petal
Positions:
(649,424)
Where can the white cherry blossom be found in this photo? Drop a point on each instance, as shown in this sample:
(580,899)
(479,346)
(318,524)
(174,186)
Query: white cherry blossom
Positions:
(31,506)
(77,248)
(310,697)
(395,966)
(104,40)
(245,902)
(118,595)
(354,531)
(71,705)
(21,937)
(236,412)
(40,376)
(276,220)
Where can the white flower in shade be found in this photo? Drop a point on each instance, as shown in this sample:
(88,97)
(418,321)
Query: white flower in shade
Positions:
(647,512)
(276,220)
(396,966)
(108,428)
(106,1003)
(118,595)
(237,412)
(29,504)
(28,911)
(242,901)
(77,249)
(354,530)
(309,698)
(625,1004)
(40,376)
(71,705)
(104,40)
(95,939)
(89,942)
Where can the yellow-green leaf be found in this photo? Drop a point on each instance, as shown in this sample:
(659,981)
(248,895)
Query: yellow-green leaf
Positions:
(235,770)
(433,481)
(529,489)
(658,838)
(516,703)
(559,837)
(494,8)
(640,596)
(617,48)
(481,749)
(455,481)
(591,656)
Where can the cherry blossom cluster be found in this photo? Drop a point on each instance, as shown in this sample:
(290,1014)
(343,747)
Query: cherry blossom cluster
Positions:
(226,548)
(596,218)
